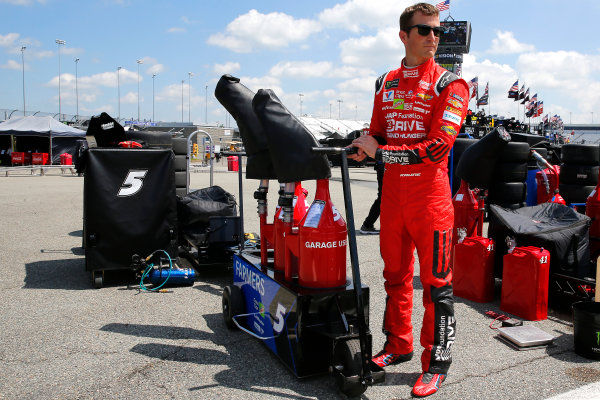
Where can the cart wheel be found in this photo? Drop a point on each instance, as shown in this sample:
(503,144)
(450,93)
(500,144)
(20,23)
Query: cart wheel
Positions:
(98,277)
(233,304)
(347,360)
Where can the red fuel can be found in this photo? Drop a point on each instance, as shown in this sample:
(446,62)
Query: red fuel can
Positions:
(525,283)
(473,273)
(279,231)
(544,194)
(322,242)
(467,212)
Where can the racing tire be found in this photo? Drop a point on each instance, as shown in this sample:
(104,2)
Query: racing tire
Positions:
(347,359)
(180,146)
(510,172)
(507,192)
(232,305)
(516,152)
(574,193)
(181,179)
(180,162)
(576,174)
(580,154)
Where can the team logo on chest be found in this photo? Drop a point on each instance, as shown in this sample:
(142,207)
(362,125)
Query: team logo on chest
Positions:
(388,96)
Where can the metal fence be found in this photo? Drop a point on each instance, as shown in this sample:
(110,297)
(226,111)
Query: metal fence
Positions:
(68,118)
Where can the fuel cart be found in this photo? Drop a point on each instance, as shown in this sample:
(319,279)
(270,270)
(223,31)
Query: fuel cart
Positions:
(293,293)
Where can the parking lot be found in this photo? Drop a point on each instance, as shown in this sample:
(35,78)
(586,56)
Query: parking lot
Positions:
(60,338)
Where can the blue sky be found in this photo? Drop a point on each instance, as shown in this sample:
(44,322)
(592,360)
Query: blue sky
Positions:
(325,50)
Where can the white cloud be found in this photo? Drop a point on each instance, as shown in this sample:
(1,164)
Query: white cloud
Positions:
(265,82)
(302,69)
(506,43)
(382,50)
(11,64)
(227,68)
(129,98)
(106,79)
(9,39)
(155,69)
(176,29)
(364,84)
(372,13)
(569,73)
(254,30)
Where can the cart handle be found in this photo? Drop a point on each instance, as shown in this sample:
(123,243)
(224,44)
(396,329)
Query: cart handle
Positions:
(334,150)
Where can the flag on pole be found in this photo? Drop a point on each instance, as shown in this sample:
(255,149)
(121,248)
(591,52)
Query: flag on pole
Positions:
(526,97)
(483,100)
(521,93)
(545,119)
(540,109)
(473,86)
(513,92)
(443,6)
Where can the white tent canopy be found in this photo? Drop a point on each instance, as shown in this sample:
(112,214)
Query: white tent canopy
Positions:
(38,126)
(43,126)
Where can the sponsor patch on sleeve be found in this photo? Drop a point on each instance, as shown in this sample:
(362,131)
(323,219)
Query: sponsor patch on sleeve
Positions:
(451,117)
(457,97)
(455,103)
(453,110)
(448,129)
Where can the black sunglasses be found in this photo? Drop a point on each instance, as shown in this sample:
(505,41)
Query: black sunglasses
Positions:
(424,30)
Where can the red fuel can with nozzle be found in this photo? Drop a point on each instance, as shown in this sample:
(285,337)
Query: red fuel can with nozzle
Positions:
(547,182)
(300,207)
(467,212)
(322,238)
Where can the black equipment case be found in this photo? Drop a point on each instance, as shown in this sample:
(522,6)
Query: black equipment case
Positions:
(129,207)
(555,227)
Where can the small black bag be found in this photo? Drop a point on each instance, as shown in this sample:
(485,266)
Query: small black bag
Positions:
(561,230)
(194,209)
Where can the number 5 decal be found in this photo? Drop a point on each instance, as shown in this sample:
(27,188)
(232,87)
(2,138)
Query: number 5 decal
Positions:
(132,183)
(279,319)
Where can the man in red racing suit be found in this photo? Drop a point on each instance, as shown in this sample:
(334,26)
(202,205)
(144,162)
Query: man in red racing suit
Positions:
(417,113)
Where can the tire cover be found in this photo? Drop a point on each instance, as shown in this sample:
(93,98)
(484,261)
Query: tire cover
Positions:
(477,162)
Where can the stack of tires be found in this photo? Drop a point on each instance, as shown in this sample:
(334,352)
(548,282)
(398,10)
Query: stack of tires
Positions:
(180,149)
(509,188)
(578,172)
(460,145)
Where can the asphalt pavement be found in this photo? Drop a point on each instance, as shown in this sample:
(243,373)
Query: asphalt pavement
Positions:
(60,338)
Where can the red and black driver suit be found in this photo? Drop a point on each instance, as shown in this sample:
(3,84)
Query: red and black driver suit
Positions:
(416,116)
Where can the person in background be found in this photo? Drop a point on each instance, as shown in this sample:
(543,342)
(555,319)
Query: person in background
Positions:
(418,111)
